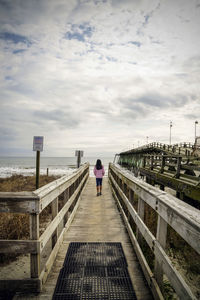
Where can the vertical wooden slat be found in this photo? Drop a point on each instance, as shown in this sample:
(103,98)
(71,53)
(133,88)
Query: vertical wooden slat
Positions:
(131,196)
(34,235)
(131,200)
(161,236)
(178,170)
(144,162)
(54,212)
(66,196)
(162,164)
(152,161)
(65,199)
(141,214)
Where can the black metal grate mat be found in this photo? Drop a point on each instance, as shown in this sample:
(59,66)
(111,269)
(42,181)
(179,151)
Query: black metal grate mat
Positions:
(94,271)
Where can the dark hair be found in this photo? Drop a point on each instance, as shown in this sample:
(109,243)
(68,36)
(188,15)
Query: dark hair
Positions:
(98,164)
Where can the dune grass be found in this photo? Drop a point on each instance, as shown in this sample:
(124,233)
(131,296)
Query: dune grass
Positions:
(14,225)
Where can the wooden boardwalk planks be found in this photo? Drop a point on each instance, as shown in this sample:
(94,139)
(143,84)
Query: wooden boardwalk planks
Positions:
(97,220)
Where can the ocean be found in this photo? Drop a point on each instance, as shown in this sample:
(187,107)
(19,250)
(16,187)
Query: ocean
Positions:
(57,165)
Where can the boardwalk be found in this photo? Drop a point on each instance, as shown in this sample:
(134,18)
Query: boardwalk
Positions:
(97,220)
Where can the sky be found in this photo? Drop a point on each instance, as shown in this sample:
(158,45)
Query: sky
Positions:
(102,76)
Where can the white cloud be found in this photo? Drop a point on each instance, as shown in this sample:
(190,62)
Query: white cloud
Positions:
(101,75)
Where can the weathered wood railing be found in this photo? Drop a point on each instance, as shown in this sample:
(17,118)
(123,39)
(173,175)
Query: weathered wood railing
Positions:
(184,149)
(183,218)
(66,188)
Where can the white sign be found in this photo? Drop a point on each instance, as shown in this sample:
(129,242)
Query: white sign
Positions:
(38,143)
(77,151)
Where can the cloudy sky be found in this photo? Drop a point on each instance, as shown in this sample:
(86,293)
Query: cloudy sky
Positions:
(98,75)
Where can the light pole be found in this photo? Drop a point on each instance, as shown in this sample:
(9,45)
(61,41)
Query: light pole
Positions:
(195,129)
(147,140)
(170,132)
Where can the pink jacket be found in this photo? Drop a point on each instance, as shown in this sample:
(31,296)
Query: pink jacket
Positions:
(99,173)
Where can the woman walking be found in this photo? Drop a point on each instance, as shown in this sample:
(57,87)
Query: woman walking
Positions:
(99,173)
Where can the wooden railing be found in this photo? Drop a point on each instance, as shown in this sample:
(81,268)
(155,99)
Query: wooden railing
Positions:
(183,218)
(63,196)
(184,149)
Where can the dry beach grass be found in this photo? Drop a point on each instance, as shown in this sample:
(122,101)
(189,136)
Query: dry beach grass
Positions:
(16,226)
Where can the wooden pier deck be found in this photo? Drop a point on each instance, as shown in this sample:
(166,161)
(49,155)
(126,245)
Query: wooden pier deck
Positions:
(96,220)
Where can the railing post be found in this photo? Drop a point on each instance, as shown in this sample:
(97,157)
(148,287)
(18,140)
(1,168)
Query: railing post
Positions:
(141,215)
(131,200)
(162,164)
(177,175)
(161,238)
(152,161)
(144,162)
(54,212)
(131,196)
(65,199)
(34,235)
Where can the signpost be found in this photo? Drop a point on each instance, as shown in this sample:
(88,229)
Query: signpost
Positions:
(38,147)
(79,154)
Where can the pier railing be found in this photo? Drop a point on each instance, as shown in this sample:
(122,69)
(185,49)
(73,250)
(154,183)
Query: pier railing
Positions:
(62,197)
(185,149)
(183,218)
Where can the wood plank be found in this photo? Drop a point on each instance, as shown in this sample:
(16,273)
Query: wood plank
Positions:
(141,216)
(54,212)
(47,268)
(19,202)
(19,246)
(183,218)
(180,286)
(161,237)
(34,235)
(23,285)
(52,190)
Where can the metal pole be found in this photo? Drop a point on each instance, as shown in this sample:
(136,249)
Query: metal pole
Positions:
(195,129)
(37,169)
(170,133)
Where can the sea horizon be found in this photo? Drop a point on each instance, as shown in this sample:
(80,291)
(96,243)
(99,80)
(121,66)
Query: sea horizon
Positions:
(57,165)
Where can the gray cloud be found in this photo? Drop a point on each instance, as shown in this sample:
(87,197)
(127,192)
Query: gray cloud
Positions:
(79,32)
(150,101)
(15,38)
(192,116)
(60,118)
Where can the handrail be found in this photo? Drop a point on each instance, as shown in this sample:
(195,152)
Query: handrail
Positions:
(69,188)
(183,218)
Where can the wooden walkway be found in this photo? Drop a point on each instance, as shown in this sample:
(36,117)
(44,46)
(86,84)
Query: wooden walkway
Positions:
(96,220)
